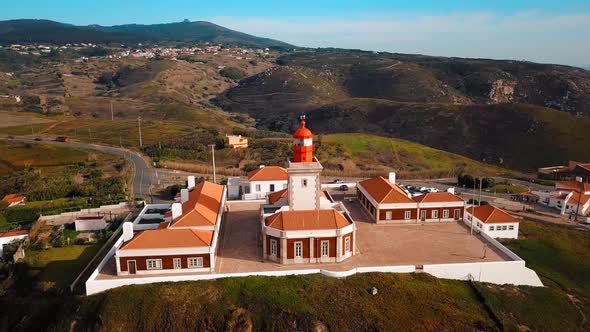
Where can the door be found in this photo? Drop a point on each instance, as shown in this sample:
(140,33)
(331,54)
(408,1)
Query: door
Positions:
(272,188)
(131,267)
(457,214)
(423,215)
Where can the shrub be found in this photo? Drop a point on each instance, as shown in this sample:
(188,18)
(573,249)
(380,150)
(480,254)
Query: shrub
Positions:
(233,73)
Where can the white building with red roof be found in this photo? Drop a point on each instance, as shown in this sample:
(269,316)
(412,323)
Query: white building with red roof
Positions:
(11,236)
(570,197)
(185,242)
(492,221)
(260,182)
(14,200)
(301,224)
(387,202)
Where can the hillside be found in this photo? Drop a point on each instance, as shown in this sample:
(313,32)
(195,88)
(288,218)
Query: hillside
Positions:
(405,302)
(502,112)
(45,31)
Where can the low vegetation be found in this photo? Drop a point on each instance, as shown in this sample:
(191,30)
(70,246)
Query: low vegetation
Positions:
(315,302)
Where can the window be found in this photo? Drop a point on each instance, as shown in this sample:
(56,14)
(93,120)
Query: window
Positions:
(511,228)
(478,224)
(177,264)
(272,188)
(470,218)
(445,214)
(304,183)
(298,249)
(408,215)
(491,228)
(257,188)
(388,215)
(347,244)
(154,264)
(325,248)
(195,262)
(434,214)
(504,228)
(273,247)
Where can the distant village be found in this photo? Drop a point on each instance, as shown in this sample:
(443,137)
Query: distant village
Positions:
(142,51)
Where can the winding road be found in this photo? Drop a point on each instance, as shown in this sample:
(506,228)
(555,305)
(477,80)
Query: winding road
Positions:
(145,177)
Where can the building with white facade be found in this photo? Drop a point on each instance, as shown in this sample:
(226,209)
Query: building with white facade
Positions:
(301,224)
(187,240)
(492,221)
(261,182)
(8,237)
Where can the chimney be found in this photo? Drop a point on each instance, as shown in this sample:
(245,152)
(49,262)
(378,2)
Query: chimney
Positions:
(176,210)
(191,182)
(183,195)
(451,190)
(261,166)
(392,177)
(127,231)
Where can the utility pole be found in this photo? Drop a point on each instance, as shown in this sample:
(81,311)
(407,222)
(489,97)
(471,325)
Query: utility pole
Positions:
(139,125)
(112,114)
(213,157)
(479,201)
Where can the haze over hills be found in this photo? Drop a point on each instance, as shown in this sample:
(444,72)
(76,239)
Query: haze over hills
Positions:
(45,31)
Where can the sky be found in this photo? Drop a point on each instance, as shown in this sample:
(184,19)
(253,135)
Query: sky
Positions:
(543,31)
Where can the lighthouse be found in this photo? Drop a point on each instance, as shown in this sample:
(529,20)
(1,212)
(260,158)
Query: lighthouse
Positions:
(304,172)
(303,144)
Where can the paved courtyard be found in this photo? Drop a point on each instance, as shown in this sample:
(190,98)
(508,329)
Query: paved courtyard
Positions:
(377,245)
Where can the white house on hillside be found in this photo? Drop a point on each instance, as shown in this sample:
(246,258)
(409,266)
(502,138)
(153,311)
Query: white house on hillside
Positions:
(492,221)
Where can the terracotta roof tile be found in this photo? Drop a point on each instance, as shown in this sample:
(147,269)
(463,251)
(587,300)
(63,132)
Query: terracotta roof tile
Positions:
(268,173)
(14,233)
(490,214)
(307,220)
(202,206)
(438,197)
(384,191)
(169,238)
(277,195)
(576,198)
(573,185)
(13,198)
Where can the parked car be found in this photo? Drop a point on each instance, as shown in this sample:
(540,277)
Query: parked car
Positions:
(472,201)
(344,187)
(484,203)
(338,181)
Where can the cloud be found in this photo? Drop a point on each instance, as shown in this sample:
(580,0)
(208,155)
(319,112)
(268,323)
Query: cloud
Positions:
(531,35)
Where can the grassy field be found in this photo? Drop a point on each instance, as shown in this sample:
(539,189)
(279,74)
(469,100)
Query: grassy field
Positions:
(362,152)
(58,267)
(15,156)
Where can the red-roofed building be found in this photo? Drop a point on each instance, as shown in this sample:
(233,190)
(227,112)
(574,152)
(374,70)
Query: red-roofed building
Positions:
(493,221)
(185,242)
(14,200)
(8,237)
(300,223)
(387,202)
(261,182)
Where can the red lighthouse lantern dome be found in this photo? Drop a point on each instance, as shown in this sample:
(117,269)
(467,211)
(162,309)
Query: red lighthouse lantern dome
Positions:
(303,144)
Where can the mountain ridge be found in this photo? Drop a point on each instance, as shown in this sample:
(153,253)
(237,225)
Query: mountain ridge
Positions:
(46,31)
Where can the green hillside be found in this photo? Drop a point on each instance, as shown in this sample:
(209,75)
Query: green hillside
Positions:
(364,155)
(404,302)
